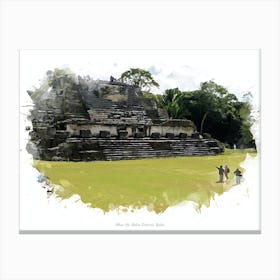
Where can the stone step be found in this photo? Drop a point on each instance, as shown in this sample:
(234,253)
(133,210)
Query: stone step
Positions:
(146,156)
(111,152)
(114,149)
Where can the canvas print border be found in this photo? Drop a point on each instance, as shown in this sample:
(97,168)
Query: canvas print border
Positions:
(231,24)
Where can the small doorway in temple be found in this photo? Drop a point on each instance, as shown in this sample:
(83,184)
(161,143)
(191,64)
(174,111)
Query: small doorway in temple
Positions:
(142,130)
(60,126)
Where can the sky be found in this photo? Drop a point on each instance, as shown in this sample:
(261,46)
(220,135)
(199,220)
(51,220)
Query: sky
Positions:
(237,70)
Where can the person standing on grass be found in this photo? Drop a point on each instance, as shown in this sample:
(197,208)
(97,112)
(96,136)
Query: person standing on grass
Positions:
(226,171)
(221,174)
(238,176)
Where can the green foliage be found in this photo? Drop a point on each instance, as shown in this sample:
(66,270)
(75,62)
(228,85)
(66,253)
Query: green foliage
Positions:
(247,121)
(213,88)
(214,110)
(139,78)
(157,98)
(170,100)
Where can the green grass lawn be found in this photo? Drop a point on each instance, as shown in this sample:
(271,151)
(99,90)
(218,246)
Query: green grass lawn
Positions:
(155,183)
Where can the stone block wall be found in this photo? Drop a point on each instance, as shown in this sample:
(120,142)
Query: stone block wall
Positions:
(103,121)
(176,130)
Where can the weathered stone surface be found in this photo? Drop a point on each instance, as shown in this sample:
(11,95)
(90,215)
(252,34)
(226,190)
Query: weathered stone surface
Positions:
(169,135)
(88,120)
(139,135)
(85,133)
(183,135)
(155,135)
(206,135)
(56,158)
(33,135)
(61,134)
(104,134)
(32,148)
(51,131)
(195,135)
(122,134)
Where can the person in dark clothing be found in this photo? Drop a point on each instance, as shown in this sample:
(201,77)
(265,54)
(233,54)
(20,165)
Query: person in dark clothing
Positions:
(221,174)
(238,176)
(226,171)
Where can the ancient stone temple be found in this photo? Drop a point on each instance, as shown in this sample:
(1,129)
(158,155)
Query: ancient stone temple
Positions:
(86,120)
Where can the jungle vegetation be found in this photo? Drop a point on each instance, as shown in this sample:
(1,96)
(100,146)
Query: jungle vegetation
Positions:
(212,108)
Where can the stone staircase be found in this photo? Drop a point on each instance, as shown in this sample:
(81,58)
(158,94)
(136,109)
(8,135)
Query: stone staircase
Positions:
(126,149)
(91,149)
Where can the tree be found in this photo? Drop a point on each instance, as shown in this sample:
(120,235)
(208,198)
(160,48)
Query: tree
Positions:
(214,98)
(170,100)
(195,105)
(247,121)
(157,98)
(139,78)
(213,88)
(213,109)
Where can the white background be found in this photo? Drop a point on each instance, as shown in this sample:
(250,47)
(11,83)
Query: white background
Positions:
(139,25)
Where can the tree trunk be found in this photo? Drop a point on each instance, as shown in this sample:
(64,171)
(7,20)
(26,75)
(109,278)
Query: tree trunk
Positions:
(202,122)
